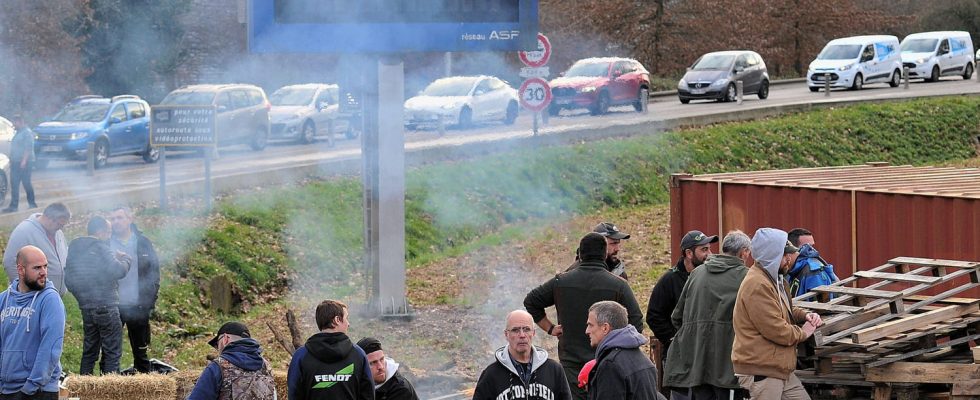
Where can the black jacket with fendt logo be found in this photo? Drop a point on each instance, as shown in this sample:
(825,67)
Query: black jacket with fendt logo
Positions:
(500,380)
(329,366)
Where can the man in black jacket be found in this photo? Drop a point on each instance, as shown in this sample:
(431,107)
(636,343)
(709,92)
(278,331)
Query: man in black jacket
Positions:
(92,274)
(572,293)
(329,366)
(139,288)
(614,238)
(522,370)
(621,370)
(389,384)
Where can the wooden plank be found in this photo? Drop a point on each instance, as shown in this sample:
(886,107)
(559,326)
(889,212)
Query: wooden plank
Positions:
(934,262)
(905,356)
(966,388)
(898,277)
(913,372)
(951,300)
(834,308)
(910,323)
(858,292)
(976,354)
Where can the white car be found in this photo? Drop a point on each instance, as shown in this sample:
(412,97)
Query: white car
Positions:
(303,112)
(462,100)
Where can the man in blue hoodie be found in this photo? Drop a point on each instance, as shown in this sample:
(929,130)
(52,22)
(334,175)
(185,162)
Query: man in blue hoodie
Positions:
(32,331)
(621,370)
(239,368)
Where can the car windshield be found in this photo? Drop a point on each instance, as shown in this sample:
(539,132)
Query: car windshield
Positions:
(714,62)
(189,98)
(919,45)
(840,52)
(450,87)
(600,69)
(292,97)
(82,112)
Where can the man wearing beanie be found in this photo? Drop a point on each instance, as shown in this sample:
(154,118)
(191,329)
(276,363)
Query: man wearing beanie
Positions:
(239,368)
(388,383)
(572,293)
(767,326)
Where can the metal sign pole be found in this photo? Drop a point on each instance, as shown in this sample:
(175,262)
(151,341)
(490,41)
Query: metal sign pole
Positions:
(163,178)
(207,178)
(534,127)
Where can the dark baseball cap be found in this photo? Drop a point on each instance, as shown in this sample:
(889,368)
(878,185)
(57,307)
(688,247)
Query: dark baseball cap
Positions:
(230,328)
(790,249)
(696,238)
(609,230)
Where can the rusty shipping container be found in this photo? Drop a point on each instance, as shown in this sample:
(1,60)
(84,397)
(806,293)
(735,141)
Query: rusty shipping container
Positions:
(861,216)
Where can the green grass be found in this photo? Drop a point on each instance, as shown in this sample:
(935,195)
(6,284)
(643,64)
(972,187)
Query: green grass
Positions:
(308,238)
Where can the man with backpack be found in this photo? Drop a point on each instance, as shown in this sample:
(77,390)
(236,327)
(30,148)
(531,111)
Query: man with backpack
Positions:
(810,270)
(239,372)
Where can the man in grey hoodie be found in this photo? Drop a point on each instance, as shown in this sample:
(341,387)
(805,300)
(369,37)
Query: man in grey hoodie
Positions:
(44,232)
(621,370)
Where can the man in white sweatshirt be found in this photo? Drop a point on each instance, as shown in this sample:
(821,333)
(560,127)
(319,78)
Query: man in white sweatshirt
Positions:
(44,232)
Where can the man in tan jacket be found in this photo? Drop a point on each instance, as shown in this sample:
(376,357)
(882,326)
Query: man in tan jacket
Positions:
(767,326)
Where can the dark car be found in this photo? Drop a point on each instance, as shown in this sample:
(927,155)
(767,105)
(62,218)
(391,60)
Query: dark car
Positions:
(243,111)
(599,83)
(116,126)
(713,77)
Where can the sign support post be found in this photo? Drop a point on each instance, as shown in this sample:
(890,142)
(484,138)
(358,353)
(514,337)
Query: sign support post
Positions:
(163,178)
(535,92)
(183,126)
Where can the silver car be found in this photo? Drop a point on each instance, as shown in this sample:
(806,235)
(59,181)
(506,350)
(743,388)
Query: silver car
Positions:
(713,76)
(303,112)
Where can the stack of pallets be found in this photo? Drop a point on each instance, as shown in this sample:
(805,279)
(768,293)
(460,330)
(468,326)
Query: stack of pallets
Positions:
(879,321)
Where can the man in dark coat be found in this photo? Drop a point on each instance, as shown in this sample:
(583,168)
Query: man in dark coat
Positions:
(389,384)
(239,371)
(329,366)
(522,370)
(92,274)
(621,370)
(572,293)
(138,290)
(614,238)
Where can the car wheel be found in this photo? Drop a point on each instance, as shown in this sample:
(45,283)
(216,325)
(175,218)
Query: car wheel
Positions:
(554,110)
(731,94)
(764,90)
(684,101)
(896,78)
(601,105)
(465,118)
(642,100)
(814,89)
(858,82)
(968,72)
(934,76)
(260,139)
(101,154)
(41,163)
(511,115)
(308,134)
(151,154)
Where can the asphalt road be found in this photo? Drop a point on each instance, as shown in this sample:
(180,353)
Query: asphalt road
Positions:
(237,166)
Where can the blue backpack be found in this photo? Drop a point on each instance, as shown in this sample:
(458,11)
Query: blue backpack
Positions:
(809,272)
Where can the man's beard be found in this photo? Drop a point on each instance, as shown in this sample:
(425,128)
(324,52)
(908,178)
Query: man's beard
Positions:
(697,262)
(33,285)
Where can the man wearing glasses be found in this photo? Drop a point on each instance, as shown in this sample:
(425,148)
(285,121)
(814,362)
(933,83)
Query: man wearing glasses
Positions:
(521,370)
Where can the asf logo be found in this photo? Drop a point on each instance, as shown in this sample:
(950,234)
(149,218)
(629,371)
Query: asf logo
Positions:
(327,381)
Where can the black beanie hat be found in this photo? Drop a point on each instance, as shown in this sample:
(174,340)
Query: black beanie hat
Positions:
(592,247)
(369,345)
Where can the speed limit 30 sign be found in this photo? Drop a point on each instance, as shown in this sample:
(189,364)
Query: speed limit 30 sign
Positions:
(535,94)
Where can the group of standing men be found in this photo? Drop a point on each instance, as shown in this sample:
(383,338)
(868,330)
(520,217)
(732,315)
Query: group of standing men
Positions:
(114,274)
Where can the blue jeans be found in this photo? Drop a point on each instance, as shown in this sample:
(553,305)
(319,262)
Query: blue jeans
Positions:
(103,331)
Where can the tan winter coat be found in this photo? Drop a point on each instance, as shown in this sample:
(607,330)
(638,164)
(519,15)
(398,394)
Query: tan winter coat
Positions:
(766,331)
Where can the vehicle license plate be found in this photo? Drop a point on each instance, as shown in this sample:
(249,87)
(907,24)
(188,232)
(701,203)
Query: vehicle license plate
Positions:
(51,149)
(697,91)
(563,101)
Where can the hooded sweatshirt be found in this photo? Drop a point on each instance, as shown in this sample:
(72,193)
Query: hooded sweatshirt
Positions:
(31,232)
(766,331)
(32,332)
(395,386)
(329,366)
(501,381)
(243,353)
(93,273)
(622,371)
(702,348)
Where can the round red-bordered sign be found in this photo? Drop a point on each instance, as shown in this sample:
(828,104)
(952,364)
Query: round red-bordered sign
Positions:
(535,94)
(539,57)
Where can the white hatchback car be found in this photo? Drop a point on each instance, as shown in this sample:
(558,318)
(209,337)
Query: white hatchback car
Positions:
(463,101)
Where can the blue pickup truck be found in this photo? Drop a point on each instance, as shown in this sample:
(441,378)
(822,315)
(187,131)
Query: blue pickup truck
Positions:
(117,126)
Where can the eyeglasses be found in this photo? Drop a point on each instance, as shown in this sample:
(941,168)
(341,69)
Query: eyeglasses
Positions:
(520,329)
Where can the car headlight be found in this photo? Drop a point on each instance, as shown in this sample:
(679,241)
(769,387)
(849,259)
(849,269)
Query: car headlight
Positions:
(720,82)
(920,61)
(845,67)
(587,89)
(449,106)
(682,84)
(78,135)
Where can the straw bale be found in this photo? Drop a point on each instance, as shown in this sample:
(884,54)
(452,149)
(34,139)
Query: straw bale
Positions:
(116,387)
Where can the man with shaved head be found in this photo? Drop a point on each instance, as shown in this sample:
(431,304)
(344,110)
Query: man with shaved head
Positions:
(32,329)
(522,370)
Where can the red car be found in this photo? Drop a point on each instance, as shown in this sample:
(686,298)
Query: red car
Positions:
(599,83)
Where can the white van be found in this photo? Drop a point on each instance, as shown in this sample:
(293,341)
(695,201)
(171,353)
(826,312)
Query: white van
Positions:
(930,55)
(851,62)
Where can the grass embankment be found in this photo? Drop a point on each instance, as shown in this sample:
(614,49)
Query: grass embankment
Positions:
(309,236)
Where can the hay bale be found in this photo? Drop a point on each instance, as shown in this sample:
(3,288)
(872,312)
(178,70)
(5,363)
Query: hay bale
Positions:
(281,389)
(115,387)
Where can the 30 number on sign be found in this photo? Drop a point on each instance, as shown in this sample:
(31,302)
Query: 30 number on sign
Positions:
(535,94)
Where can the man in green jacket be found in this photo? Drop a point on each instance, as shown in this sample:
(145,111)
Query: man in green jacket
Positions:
(699,363)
